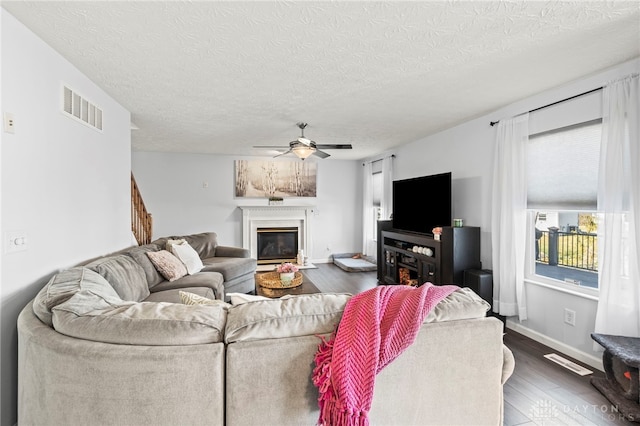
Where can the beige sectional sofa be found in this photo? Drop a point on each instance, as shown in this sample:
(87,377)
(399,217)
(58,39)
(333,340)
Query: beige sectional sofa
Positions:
(225,269)
(89,356)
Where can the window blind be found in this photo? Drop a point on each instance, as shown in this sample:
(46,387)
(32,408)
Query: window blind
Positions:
(562,168)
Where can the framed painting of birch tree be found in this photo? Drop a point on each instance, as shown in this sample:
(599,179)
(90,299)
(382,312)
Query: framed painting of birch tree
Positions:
(260,178)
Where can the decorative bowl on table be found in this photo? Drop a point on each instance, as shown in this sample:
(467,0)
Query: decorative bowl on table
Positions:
(273,280)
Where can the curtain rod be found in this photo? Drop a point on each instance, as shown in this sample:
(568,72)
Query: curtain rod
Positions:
(379,159)
(493,123)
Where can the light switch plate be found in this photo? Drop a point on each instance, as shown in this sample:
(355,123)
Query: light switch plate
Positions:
(15,241)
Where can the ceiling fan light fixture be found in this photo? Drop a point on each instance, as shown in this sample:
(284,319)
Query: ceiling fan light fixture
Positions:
(303,151)
(304,148)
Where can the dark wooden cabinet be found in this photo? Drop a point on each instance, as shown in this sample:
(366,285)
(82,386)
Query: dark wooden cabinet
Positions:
(383,225)
(420,258)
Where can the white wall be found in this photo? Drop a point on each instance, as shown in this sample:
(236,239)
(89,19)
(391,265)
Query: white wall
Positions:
(65,185)
(172,188)
(467,151)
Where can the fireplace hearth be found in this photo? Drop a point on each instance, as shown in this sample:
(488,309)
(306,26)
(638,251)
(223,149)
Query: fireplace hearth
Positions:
(277,245)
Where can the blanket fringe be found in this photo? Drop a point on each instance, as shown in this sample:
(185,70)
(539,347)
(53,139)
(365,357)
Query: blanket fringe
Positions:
(331,411)
(322,370)
(343,417)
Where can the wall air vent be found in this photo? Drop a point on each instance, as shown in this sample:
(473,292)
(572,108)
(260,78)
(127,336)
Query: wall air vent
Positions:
(78,108)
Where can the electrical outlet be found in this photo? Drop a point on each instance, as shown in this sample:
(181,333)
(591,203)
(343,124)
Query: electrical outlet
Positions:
(569,316)
(9,123)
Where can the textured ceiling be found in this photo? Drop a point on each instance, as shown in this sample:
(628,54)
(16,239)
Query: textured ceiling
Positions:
(220,77)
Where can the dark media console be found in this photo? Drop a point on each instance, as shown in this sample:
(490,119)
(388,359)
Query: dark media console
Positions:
(408,258)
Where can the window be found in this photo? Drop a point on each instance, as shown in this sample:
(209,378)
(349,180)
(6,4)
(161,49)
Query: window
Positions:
(562,182)
(377,196)
(376,189)
(566,247)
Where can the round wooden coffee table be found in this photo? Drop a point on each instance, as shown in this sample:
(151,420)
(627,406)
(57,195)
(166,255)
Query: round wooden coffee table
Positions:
(307,287)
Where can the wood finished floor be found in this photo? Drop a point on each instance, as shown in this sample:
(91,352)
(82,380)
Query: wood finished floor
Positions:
(539,392)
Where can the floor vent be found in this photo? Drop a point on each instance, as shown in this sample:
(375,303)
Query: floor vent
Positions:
(569,365)
(77,107)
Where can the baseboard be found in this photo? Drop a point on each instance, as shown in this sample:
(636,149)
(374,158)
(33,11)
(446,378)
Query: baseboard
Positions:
(584,357)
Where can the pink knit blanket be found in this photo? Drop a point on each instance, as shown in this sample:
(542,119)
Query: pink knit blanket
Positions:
(377,326)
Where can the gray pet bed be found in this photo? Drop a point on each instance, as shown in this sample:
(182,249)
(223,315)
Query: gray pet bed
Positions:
(346,262)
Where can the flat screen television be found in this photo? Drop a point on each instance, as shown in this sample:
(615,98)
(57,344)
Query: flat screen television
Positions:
(422,203)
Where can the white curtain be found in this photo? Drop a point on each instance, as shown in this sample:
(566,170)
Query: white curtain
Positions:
(508,217)
(619,208)
(387,188)
(367,208)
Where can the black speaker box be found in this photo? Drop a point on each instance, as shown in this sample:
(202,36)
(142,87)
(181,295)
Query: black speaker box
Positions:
(480,281)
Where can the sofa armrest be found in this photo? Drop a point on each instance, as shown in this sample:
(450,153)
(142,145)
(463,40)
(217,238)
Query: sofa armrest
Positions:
(508,365)
(226,251)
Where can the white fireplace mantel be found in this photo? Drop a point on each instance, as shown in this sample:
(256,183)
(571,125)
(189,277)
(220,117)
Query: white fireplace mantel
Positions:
(254,217)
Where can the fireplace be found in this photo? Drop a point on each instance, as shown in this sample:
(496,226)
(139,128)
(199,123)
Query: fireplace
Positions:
(277,245)
(277,217)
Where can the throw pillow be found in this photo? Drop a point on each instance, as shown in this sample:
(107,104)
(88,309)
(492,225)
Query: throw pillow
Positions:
(188,256)
(167,264)
(172,241)
(193,299)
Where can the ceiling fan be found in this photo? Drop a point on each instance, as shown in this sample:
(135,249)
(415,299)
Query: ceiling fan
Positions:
(303,147)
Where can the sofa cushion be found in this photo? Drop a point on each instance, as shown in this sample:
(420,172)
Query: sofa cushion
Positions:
(124,274)
(204,243)
(188,256)
(160,242)
(62,286)
(139,254)
(168,265)
(230,267)
(461,304)
(91,317)
(212,280)
(301,315)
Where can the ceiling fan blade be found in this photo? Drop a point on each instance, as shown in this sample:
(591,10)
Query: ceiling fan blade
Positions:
(271,146)
(321,154)
(339,146)
(284,153)
(304,140)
